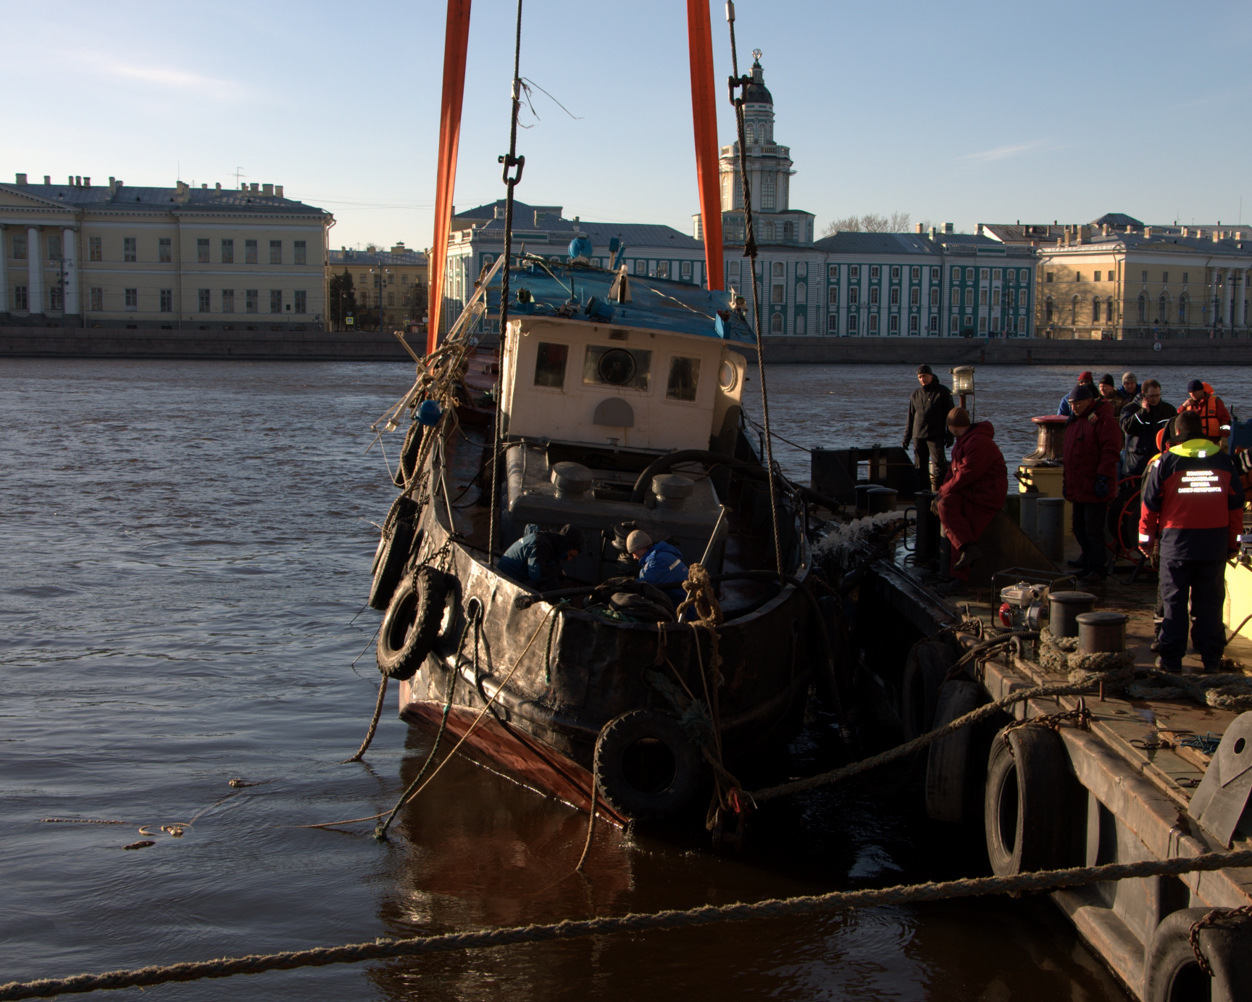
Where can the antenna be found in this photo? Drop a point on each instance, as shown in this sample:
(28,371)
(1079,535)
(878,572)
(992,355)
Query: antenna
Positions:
(239,174)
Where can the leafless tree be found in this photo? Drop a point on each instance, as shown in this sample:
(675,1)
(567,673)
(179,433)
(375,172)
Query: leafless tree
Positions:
(870,222)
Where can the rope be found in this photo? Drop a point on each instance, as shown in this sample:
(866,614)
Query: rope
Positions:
(703,915)
(369,734)
(1070,688)
(749,251)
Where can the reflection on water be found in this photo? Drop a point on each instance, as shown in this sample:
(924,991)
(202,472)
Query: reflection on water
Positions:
(187,548)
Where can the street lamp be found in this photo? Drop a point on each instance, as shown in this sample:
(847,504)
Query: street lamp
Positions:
(378,274)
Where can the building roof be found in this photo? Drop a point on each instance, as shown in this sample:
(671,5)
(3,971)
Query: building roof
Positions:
(876,243)
(250,198)
(1232,242)
(361,258)
(755,92)
(546,224)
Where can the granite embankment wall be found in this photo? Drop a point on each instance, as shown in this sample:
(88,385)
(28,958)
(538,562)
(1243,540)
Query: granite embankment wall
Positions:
(321,346)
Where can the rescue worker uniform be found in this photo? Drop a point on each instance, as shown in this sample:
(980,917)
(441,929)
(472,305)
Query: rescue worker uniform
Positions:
(1091,449)
(974,490)
(1214,416)
(1192,504)
(927,427)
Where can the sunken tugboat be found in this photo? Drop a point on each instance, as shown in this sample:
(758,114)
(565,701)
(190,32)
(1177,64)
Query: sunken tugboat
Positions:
(619,412)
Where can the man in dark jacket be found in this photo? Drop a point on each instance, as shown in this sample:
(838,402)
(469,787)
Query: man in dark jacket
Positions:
(1192,503)
(1092,444)
(974,489)
(1083,377)
(535,559)
(926,427)
(1140,420)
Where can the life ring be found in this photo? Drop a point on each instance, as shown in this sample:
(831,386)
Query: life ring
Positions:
(411,626)
(924,671)
(399,538)
(1034,811)
(645,766)
(408,454)
(1174,975)
(951,787)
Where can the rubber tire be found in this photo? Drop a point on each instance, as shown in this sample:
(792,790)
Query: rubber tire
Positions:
(951,794)
(1172,973)
(408,454)
(411,626)
(398,540)
(613,766)
(1032,815)
(925,668)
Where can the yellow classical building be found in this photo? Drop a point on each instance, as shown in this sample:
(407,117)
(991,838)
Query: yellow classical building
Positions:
(1095,282)
(180,258)
(393,281)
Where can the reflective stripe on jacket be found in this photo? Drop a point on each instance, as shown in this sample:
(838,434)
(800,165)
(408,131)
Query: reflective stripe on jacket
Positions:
(1193,500)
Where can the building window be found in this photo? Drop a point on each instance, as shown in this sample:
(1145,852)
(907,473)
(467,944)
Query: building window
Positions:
(228,300)
(995,297)
(854,296)
(1143,307)
(1184,277)
(1143,275)
(1095,311)
(20,298)
(276,300)
(982,325)
(982,297)
(132,299)
(1047,276)
(768,191)
(203,305)
(802,293)
(934,275)
(873,295)
(895,295)
(916,274)
(641,267)
(391,299)
(19,248)
(276,252)
(832,323)
(995,275)
(1182,309)
(893,324)
(1108,310)
(799,325)
(832,295)
(778,270)
(249,252)
(969,274)
(852,323)
(251,300)
(776,323)
(934,323)
(956,276)
(832,273)
(854,272)
(1073,311)
(913,324)
(915,296)
(873,323)
(984,273)
(1163,313)
(1097,276)
(129,253)
(95,249)
(662,269)
(1078,276)
(298,252)
(1165,278)
(778,293)
(202,250)
(228,252)
(165,253)
(895,273)
(167,300)
(97,299)
(875,273)
(686,271)
(302,301)
(1047,310)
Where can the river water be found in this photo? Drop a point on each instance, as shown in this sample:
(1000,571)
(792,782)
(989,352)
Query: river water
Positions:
(186,552)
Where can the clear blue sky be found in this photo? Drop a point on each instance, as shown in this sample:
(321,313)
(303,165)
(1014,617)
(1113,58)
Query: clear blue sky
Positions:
(954,112)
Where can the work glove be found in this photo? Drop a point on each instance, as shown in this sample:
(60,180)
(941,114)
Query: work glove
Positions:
(1101,488)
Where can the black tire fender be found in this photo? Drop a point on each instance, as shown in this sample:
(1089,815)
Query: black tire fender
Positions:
(925,668)
(1034,810)
(951,795)
(399,539)
(645,766)
(411,626)
(408,454)
(1173,974)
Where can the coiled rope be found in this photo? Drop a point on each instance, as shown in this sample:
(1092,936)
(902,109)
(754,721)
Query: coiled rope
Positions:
(386,949)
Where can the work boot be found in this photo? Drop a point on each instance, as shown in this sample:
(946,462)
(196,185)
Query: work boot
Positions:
(970,553)
(1169,665)
(1076,563)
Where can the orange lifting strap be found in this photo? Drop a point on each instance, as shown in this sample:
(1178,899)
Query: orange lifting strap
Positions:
(704,116)
(455,45)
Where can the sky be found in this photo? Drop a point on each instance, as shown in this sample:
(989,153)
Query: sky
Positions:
(960,112)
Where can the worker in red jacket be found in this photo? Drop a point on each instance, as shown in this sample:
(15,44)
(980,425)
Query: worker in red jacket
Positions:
(974,490)
(1093,442)
(1214,417)
(1192,504)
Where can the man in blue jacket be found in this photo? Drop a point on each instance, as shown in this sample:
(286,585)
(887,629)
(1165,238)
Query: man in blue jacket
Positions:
(535,559)
(660,564)
(1192,503)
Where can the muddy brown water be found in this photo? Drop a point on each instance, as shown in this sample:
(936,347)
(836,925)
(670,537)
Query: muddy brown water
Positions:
(186,552)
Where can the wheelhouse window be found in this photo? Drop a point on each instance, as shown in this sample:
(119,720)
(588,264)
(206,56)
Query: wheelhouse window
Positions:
(614,366)
(684,375)
(550,364)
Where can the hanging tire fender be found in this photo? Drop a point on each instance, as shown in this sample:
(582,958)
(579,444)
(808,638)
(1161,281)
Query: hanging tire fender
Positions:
(925,668)
(411,625)
(399,539)
(951,793)
(408,454)
(1172,973)
(645,766)
(1034,810)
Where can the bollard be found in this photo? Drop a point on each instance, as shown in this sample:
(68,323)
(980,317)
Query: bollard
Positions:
(1101,631)
(1050,527)
(1028,514)
(862,489)
(880,499)
(1064,608)
(926,546)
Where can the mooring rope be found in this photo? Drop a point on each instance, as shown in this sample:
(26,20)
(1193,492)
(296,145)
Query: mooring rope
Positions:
(703,915)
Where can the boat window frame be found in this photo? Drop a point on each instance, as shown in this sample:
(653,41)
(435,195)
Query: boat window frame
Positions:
(639,379)
(691,381)
(540,348)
